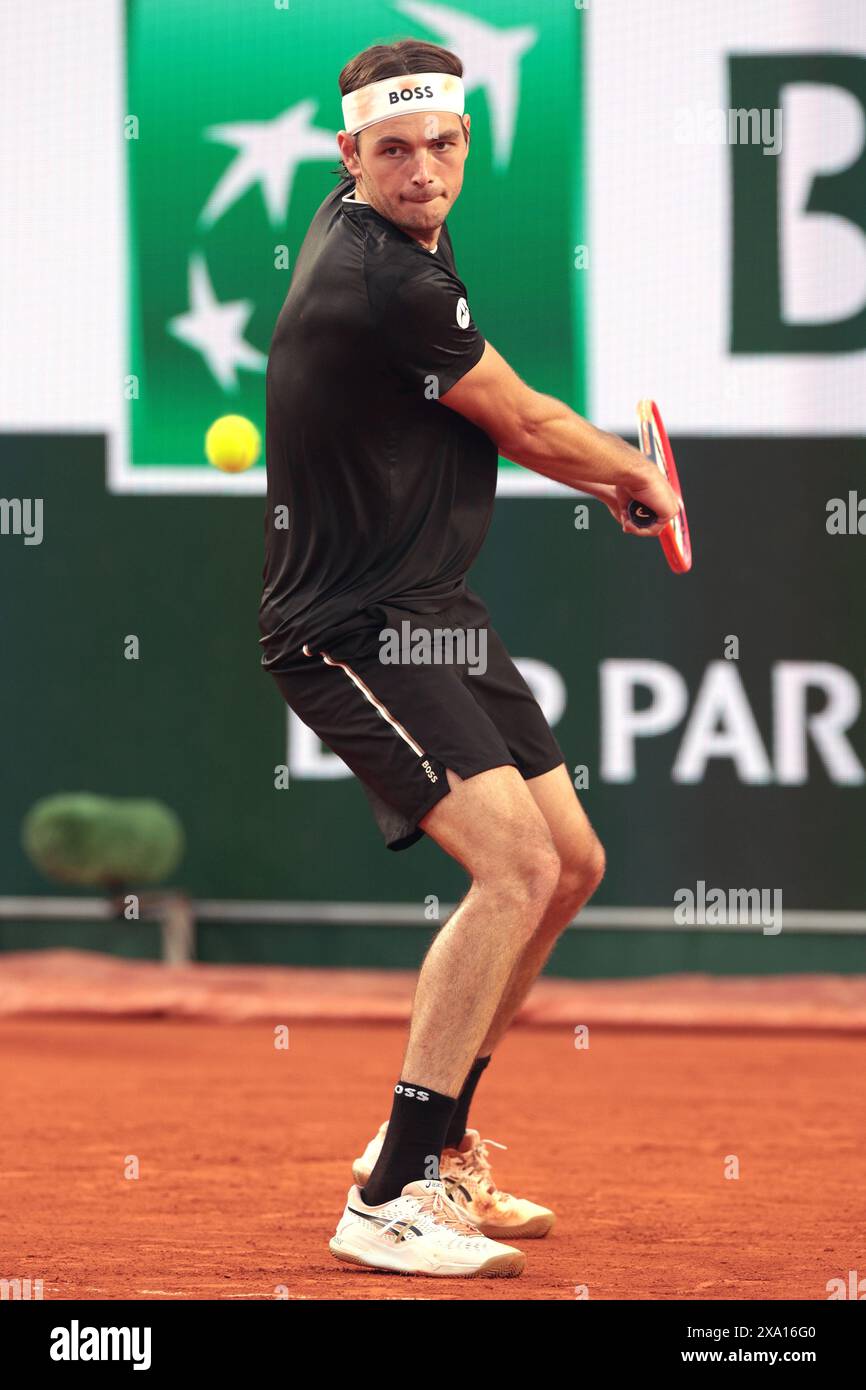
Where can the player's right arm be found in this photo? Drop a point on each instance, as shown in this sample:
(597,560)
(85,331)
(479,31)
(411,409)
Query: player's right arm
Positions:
(543,434)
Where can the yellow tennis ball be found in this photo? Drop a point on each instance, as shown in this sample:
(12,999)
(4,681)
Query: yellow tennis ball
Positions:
(232,443)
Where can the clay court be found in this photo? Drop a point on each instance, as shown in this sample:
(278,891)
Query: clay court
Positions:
(353,342)
(245,1149)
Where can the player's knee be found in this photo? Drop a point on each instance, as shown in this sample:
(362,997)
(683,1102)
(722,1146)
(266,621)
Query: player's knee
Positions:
(581,874)
(529,869)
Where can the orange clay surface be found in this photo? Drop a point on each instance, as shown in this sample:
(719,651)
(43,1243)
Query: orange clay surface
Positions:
(244,1156)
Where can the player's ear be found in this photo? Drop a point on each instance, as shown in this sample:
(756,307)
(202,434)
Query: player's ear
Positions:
(467,121)
(348,151)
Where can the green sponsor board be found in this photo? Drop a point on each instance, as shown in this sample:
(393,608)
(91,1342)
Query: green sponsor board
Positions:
(739,770)
(232,116)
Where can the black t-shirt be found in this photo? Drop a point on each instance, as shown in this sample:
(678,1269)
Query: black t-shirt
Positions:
(387,492)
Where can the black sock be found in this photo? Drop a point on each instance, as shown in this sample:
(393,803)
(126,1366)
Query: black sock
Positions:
(457,1127)
(413,1140)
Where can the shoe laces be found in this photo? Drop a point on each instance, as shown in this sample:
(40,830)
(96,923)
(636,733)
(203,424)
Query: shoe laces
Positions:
(476,1163)
(441,1208)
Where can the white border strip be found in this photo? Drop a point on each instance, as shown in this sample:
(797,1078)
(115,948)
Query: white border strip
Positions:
(185,480)
(413,915)
(33,909)
(407,915)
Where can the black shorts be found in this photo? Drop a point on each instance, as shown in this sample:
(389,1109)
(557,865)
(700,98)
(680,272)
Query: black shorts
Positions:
(398,726)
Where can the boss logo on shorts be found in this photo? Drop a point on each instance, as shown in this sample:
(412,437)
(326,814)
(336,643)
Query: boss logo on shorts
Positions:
(430,773)
(409,94)
(411,1092)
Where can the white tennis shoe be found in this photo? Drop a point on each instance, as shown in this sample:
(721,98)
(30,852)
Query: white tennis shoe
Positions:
(469,1181)
(420,1232)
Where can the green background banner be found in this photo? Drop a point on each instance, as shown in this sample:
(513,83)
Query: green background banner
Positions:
(753,776)
(195,722)
(234,112)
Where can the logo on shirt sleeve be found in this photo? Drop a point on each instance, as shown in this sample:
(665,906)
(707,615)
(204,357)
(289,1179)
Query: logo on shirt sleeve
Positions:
(463,315)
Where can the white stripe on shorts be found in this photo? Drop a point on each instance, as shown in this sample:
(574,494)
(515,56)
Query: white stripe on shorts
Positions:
(368,695)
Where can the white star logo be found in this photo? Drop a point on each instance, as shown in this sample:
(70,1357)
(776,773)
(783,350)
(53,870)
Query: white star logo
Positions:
(216,330)
(269,154)
(491,59)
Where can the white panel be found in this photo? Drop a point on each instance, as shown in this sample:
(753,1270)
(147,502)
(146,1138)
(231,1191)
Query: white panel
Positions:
(660,216)
(61,273)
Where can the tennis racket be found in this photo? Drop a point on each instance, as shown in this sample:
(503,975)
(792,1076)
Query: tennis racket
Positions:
(655,445)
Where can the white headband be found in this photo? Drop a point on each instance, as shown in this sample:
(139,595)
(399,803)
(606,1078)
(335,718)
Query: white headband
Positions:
(393,96)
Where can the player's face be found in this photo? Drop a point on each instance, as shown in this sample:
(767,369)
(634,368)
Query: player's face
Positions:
(411,169)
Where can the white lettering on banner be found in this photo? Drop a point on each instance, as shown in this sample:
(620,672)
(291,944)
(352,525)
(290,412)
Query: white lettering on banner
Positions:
(718,723)
(622,723)
(792,680)
(721,723)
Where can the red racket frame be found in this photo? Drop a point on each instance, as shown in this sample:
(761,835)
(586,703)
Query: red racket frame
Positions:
(675,539)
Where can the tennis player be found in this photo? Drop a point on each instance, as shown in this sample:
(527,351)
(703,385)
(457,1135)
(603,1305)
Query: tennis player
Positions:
(386,412)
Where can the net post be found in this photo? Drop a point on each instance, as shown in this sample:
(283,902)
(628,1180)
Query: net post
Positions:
(177,929)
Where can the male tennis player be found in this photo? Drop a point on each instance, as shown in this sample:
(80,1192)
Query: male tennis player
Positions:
(386,411)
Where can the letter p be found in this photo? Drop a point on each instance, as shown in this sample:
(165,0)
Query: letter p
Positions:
(622,723)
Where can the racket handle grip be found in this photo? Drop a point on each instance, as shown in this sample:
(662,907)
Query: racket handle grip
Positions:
(641,516)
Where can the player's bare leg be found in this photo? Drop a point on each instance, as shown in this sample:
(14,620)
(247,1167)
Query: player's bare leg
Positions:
(582,864)
(533,858)
(492,825)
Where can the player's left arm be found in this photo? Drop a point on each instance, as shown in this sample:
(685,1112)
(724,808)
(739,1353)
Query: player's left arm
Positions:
(546,435)
(434,344)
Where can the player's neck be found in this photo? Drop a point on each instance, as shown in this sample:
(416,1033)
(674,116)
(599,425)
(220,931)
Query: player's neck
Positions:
(429,245)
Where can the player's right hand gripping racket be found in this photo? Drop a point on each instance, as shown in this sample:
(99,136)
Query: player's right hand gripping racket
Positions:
(655,445)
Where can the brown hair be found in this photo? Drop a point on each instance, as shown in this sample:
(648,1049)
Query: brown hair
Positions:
(395,60)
